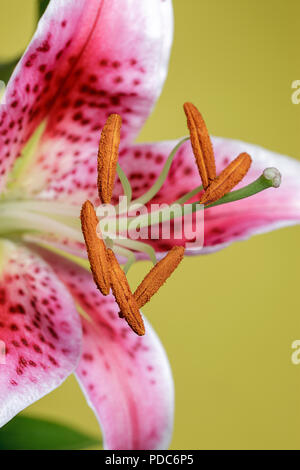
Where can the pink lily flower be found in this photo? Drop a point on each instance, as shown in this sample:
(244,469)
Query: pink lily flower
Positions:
(88,59)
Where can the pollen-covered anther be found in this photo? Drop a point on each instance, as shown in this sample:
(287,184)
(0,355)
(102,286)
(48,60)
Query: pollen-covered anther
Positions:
(124,297)
(227,179)
(108,157)
(201,144)
(158,275)
(96,248)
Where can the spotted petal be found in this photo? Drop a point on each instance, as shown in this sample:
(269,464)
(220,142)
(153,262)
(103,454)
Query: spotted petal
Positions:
(88,58)
(268,210)
(39,327)
(126,378)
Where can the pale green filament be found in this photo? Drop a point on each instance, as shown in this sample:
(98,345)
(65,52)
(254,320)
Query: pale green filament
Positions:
(45,207)
(167,214)
(137,246)
(161,179)
(27,221)
(125,184)
(189,195)
(23,164)
(255,187)
(131,258)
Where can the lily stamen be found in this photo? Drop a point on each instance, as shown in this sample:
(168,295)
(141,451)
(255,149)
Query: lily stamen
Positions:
(105,268)
(227,179)
(270,178)
(108,157)
(96,248)
(124,297)
(215,187)
(201,143)
(158,275)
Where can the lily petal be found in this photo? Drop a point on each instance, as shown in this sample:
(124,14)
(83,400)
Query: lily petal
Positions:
(142,164)
(126,378)
(268,210)
(88,58)
(39,326)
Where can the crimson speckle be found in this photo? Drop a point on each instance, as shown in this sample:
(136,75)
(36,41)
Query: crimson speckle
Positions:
(41,337)
(77,116)
(52,332)
(22,361)
(49,76)
(37,349)
(52,360)
(59,54)
(45,47)
(78,103)
(115,100)
(88,357)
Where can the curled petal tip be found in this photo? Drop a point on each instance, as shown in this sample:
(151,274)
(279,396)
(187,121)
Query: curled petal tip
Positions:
(273,175)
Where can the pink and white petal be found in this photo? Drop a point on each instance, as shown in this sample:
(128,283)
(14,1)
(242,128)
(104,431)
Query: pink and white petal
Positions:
(39,326)
(126,379)
(39,77)
(88,59)
(142,164)
(268,210)
(128,383)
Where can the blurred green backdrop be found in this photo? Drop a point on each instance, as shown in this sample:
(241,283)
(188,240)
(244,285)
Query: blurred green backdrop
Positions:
(231,355)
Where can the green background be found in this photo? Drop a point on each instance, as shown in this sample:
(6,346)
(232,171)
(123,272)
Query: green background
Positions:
(227,320)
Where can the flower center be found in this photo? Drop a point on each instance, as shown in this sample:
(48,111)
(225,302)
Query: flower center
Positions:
(101,248)
(22,218)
